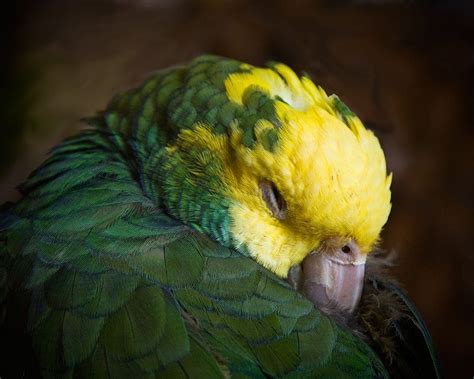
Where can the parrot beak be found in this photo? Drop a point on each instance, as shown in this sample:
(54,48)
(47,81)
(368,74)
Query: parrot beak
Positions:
(333,279)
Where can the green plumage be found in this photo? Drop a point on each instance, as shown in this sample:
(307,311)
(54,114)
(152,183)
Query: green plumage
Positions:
(116,287)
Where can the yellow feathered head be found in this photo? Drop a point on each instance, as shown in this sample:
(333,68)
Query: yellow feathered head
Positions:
(311,180)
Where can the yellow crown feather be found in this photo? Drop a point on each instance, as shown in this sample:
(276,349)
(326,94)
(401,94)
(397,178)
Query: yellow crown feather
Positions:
(329,168)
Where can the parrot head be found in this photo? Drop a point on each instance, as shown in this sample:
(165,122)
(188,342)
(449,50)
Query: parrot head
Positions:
(295,181)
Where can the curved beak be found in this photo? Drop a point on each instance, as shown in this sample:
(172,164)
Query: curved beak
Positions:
(332,285)
(332,278)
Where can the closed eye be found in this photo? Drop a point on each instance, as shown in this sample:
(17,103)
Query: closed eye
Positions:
(273,199)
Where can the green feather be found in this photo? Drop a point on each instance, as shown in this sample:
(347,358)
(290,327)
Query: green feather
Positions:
(113,290)
(198,364)
(48,343)
(118,287)
(80,335)
(136,328)
(103,365)
(67,290)
(278,357)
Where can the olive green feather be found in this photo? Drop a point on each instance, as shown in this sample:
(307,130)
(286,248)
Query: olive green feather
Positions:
(118,287)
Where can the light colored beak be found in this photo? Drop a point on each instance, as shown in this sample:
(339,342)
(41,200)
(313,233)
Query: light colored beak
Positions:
(331,277)
(332,286)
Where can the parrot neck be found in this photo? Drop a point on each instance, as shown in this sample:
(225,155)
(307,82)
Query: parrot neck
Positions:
(168,181)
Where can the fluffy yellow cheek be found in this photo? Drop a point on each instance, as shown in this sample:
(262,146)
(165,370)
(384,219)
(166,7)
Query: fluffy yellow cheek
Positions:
(269,242)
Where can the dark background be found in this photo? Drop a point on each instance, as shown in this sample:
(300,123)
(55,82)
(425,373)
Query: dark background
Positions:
(406,68)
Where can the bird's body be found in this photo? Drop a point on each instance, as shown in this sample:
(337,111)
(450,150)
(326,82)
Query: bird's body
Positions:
(157,243)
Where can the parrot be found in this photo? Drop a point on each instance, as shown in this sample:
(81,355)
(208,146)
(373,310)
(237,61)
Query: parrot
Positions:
(219,220)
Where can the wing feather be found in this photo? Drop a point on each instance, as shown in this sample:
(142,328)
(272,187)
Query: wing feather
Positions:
(117,288)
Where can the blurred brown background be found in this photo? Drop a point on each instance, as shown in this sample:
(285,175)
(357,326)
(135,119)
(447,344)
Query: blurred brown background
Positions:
(406,68)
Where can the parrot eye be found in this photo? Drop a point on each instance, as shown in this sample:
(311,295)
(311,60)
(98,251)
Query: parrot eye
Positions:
(346,249)
(274,200)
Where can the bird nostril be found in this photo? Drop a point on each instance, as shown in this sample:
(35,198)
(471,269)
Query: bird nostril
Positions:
(346,249)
